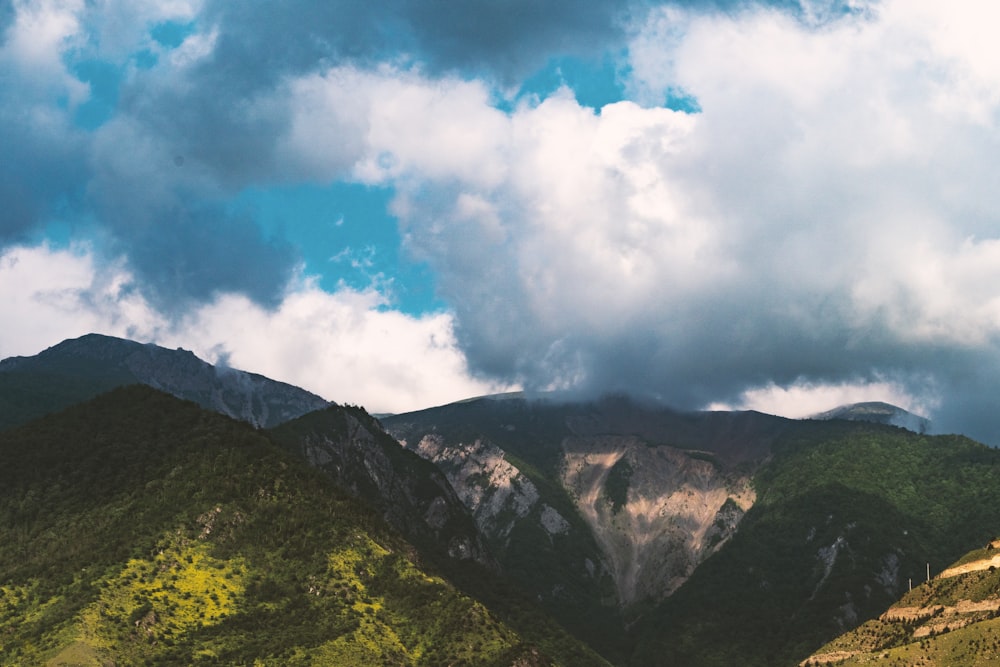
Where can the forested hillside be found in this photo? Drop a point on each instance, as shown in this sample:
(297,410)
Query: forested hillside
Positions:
(140,529)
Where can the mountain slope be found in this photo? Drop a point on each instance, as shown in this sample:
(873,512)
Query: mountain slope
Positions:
(846,514)
(878,413)
(84,367)
(410,493)
(140,529)
(600,509)
(953,619)
(755,539)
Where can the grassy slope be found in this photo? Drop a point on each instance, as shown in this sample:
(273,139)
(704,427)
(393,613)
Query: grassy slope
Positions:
(141,529)
(875,495)
(939,634)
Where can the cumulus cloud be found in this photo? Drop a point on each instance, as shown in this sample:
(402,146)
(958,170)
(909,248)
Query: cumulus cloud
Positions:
(51,294)
(344,346)
(823,226)
(823,222)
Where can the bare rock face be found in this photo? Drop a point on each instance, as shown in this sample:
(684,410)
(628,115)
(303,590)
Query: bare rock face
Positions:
(657,512)
(495,491)
(655,491)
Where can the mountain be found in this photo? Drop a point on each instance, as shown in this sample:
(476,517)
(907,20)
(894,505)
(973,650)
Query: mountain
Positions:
(141,529)
(411,494)
(84,367)
(656,536)
(878,413)
(705,539)
(345,442)
(952,619)
(600,509)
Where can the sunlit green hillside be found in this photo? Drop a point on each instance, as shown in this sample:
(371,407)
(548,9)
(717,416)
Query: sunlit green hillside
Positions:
(952,620)
(139,529)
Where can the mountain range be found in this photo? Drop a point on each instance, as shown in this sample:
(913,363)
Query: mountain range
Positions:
(655,537)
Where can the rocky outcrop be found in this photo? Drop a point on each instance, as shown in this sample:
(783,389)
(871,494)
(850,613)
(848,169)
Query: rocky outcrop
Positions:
(495,491)
(657,512)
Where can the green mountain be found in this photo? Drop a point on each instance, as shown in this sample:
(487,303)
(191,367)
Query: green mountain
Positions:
(84,367)
(141,529)
(727,538)
(847,513)
(951,620)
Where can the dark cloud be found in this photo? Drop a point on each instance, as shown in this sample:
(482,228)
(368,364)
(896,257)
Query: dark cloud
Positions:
(503,39)
(191,254)
(42,172)
(509,39)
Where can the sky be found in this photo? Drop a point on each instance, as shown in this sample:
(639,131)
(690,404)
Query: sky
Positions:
(782,206)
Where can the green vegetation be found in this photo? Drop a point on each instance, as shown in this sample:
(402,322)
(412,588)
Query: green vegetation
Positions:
(616,485)
(551,567)
(846,514)
(28,395)
(947,621)
(140,529)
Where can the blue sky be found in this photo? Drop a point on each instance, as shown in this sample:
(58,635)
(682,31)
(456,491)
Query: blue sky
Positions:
(782,206)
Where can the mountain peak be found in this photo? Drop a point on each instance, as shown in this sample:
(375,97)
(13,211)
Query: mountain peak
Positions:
(79,368)
(878,412)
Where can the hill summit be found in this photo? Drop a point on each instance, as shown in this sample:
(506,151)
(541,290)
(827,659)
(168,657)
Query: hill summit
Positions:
(81,368)
(878,412)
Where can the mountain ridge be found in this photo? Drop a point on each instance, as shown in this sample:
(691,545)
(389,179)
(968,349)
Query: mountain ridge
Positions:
(639,527)
(80,368)
(952,619)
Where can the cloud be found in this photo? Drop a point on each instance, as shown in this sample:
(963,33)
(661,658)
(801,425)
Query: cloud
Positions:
(52,294)
(827,220)
(824,221)
(507,40)
(345,346)
(803,399)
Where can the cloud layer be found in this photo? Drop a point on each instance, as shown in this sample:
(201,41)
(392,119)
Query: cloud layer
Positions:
(822,225)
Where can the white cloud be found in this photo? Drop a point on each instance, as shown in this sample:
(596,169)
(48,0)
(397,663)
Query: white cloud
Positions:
(829,214)
(34,43)
(806,399)
(384,124)
(52,294)
(344,346)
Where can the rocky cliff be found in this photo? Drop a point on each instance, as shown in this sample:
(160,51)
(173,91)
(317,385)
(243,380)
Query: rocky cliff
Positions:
(654,492)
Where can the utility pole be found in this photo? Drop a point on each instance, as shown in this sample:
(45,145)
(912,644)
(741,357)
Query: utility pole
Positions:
(928,572)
